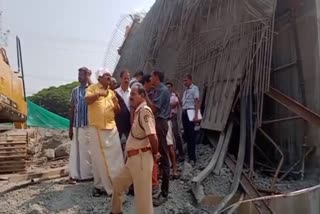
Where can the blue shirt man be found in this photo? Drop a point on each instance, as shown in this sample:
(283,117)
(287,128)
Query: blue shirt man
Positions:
(161,100)
(160,105)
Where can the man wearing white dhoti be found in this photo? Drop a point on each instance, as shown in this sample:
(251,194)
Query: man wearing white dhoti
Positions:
(105,143)
(80,161)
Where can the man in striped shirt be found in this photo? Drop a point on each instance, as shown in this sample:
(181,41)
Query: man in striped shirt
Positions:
(80,161)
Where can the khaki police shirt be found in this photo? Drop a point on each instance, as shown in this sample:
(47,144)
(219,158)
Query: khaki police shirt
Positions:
(138,137)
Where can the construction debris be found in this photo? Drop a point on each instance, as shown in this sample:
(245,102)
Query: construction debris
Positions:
(314,189)
(59,197)
(228,48)
(46,146)
(13,151)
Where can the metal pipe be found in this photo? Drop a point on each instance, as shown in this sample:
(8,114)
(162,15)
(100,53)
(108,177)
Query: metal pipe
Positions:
(280,120)
(300,76)
(268,190)
(249,188)
(264,165)
(281,171)
(263,153)
(283,67)
(19,55)
(241,155)
(294,106)
(281,160)
(234,209)
(270,197)
(296,164)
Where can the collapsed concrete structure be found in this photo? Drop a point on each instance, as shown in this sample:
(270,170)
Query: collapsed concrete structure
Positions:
(254,60)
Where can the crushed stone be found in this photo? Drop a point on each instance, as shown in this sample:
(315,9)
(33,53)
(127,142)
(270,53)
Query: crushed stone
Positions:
(55,197)
(285,186)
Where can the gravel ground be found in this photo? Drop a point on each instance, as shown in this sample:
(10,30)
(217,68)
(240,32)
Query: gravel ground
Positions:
(54,197)
(220,184)
(286,185)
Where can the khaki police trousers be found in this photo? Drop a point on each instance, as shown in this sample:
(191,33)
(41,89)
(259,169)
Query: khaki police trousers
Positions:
(138,170)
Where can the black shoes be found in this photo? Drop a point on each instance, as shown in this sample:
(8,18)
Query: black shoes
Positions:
(158,201)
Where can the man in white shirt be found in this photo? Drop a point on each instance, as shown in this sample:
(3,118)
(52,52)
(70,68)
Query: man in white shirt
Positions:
(137,77)
(190,101)
(123,95)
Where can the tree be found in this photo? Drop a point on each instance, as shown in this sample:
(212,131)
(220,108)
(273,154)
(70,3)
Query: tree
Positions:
(55,99)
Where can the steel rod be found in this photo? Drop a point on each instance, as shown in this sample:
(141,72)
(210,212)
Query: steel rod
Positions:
(294,106)
(240,159)
(274,179)
(284,195)
(250,189)
(281,120)
(264,165)
(296,164)
(284,67)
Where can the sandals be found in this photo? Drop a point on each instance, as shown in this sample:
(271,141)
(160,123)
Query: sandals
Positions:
(97,192)
(175,176)
(72,181)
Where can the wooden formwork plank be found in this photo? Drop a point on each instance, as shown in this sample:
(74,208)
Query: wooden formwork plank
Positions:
(3,171)
(13,143)
(58,172)
(12,167)
(12,147)
(13,152)
(12,140)
(11,137)
(12,162)
(12,156)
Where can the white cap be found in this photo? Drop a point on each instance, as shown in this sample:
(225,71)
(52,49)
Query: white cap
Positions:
(101,71)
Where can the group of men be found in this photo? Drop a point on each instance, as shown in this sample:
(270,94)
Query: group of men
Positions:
(128,134)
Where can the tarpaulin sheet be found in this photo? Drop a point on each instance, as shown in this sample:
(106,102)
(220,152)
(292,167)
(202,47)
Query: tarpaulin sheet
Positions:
(40,117)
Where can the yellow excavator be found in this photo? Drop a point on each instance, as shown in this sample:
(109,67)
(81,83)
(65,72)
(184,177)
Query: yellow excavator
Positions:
(13,114)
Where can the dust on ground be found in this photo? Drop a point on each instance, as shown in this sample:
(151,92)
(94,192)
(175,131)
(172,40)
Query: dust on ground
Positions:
(55,197)
(60,198)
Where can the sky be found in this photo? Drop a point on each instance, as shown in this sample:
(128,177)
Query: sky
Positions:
(60,36)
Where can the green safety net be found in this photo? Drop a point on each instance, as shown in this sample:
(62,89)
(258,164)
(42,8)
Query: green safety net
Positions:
(40,117)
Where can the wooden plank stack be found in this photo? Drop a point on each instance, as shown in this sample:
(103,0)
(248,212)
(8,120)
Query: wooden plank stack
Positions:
(13,151)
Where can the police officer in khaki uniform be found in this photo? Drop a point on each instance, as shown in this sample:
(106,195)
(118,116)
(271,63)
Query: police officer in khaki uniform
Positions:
(142,150)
